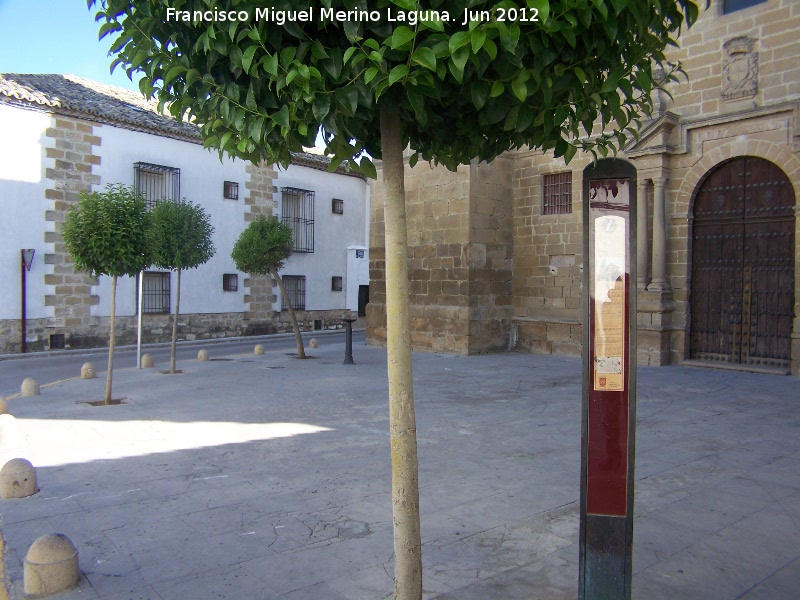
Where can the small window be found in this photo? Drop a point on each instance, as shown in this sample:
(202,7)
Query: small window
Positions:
(230,190)
(336,284)
(57,341)
(337,206)
(230,282)
(729,6)
(557,194)
(155,292)
(296,290)
(359,254)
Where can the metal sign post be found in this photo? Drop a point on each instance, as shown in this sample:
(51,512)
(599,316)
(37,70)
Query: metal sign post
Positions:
(26,261)
(609,380)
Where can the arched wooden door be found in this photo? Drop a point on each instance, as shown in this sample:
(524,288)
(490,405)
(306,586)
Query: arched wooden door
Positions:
(742,294)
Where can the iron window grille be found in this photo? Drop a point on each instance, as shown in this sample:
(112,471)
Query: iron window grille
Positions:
(58,341)
(297,211)
(729,6)
(155,292)
(230,190)
(295,286)
(156,183)
(557,194)
(336,284)
(337,206)
(230,282)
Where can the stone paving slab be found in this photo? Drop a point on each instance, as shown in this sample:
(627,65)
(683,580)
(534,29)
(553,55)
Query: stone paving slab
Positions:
(269,477)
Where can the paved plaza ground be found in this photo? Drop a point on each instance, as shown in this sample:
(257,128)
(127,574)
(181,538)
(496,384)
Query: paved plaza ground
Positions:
(254,477)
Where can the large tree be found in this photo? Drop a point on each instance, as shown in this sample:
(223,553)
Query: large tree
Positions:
(451,80)
(261,249)
(180,238)
(106,234)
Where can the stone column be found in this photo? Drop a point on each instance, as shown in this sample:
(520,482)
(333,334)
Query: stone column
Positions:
(642,235)
(659,280)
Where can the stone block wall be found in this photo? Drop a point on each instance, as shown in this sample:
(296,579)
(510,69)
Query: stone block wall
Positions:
(314,320)
(260,290)
(548,259)
(69,166)
(459,237)
(742,99)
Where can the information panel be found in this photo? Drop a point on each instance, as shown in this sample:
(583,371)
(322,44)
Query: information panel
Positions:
(609,205)
(609,380)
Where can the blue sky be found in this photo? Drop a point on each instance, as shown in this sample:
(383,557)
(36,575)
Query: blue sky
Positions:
(55,36)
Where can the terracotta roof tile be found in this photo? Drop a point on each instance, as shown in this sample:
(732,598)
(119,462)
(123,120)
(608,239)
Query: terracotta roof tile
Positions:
(75,96)
(95,101)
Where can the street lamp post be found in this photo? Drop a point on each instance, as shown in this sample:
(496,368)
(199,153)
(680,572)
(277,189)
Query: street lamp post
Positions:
(26,261)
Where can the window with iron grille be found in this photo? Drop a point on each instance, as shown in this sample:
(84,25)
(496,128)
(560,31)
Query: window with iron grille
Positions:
(336,284)
(157,182)
(297,211)
(337,206)
(729,6)
(155,292)
(557,194)
(296,290)
(230,282)
(230,190)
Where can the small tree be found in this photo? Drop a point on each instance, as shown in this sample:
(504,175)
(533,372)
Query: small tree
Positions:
(180,238)
(106,234)
(262,249)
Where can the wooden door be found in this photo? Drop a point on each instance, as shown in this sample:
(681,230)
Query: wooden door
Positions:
(742,294)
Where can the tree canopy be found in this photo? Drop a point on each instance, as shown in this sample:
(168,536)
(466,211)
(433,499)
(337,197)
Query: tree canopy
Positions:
(180,235)
(106,232)
(263,246)
(264,77)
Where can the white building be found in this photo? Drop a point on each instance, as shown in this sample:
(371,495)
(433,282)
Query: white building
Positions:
(61,135)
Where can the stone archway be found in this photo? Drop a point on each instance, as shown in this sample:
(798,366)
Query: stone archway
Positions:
(742,274)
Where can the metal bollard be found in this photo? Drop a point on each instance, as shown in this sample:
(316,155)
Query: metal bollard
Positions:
(348,343)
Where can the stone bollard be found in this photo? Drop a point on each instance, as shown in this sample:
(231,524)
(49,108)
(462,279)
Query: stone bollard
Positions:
(30,387)
(147,361)
(202,355)
(313,343)
(17,479)
(259,349)
(3,406)
(51,565)
(87,371)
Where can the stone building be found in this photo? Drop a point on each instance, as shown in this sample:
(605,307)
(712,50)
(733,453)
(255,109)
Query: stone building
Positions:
(61,135)
(496,249)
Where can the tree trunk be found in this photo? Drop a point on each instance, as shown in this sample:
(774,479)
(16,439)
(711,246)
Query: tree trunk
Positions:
(402,423)
(301,353)
(111,339)
(175,325)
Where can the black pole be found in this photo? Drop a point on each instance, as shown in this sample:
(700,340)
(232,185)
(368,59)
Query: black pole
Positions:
(23,345)
(348,343)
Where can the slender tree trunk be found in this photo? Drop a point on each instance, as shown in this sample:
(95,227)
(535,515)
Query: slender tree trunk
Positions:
(111,339)
(301,353)
(402,423)
(175,325)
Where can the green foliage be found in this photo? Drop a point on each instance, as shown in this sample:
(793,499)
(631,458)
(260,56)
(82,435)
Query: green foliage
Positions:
(264,245)
(106,232)
(536,73)
(180,235)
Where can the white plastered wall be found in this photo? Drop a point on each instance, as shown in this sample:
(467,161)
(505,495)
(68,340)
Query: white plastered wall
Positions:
(22,209)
